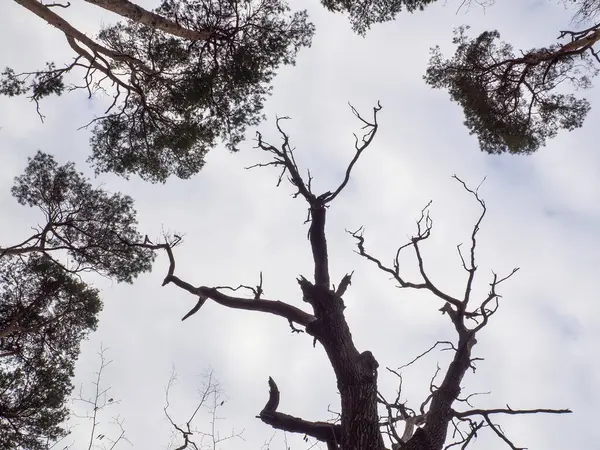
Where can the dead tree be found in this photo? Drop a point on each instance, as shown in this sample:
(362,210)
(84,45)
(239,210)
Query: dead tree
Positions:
(361,426)
(187,435)
(88,410)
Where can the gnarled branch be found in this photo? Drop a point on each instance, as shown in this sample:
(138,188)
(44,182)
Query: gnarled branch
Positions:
(322,431)
(276,307)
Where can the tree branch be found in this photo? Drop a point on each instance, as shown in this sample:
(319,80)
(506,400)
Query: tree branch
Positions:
(472,268)
(510,411)
(440,414)
(284,158)
(322,431)
(395,272)
(366,141)
(44,12)
(138,14)
(276,307)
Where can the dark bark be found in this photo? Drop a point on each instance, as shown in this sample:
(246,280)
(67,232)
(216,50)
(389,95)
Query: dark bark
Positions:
(323,431)
(440,412)
(318,243)
(355,371)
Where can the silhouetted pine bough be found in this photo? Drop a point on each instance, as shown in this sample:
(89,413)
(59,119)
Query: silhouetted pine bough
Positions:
(46,309)
(192,73)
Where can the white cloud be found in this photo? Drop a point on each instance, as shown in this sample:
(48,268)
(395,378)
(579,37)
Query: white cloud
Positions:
(541,349)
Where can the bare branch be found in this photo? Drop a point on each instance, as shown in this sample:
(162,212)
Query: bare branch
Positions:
(257,291)
(501,434)
(365,142)
(346,281)
(323,431)
(468,397)
(94,407)
(196,308)
(443,396)
(472,266)
(395,272)
(451,346)
(211,400)
(466,440)
(57,5)
(483,310)
(284,158)
(510,411)
(276,307)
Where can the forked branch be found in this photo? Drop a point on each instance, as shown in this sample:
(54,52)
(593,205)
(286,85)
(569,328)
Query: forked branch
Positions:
(283,158)
(210,400)
(276,307)
(359,146)
(440,414)
(486,413)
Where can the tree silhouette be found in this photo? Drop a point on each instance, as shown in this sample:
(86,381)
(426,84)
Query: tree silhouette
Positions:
(181,77)
(516,103)
(192,73)
(45,307)
(361,424)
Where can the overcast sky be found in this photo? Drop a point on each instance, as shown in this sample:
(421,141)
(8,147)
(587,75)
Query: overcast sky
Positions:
(541,349)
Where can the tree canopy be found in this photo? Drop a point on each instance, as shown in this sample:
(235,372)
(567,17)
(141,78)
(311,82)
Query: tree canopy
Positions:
(192,73)
(46,309)
(516,103)
(363,14)
(173,97)
(45,312)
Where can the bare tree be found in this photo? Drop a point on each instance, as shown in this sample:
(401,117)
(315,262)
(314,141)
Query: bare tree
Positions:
(86,411)
(89,427)
(360,424)
(189,435)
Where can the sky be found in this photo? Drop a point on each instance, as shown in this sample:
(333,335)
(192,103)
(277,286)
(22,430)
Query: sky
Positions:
(540,350)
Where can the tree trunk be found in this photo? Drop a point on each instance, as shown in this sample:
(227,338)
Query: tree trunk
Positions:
(136,13)
(55,20)
(360,424)
(356,373)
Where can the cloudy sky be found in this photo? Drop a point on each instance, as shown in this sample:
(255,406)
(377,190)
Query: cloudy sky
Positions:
(541,349)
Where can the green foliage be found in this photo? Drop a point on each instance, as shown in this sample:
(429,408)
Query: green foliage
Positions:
(513,104)
(41,84)
(11,84)
(193,93)
(44,314)
(97,229)
(365,13)
(176,98)
(45,308)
